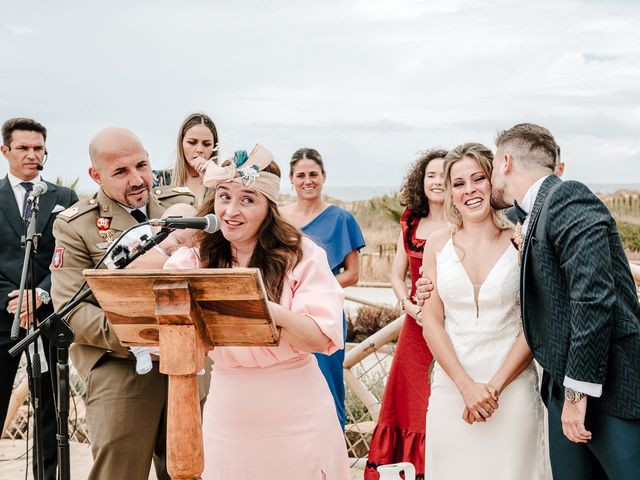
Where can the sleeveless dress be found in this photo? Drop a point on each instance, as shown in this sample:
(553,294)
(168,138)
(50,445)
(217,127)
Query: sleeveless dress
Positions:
(510,445)
(269,414)
(399,435)
(338,233)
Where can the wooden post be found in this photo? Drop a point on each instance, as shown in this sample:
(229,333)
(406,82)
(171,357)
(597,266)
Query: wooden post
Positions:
(182,356)
(17,399)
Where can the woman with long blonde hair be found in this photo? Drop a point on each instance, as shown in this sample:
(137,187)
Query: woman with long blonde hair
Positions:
(197,143)
(485,418)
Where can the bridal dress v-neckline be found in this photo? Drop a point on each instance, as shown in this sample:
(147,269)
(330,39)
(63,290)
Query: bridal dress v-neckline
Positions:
(510,444)
(476,297)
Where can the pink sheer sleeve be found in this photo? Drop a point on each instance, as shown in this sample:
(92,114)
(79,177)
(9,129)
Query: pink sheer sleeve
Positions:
(184,258)
(314,291)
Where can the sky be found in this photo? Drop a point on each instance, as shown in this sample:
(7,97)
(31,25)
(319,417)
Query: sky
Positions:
(369,83)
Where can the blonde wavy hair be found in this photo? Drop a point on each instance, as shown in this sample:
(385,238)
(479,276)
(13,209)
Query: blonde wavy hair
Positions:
(484,157)
(180,168)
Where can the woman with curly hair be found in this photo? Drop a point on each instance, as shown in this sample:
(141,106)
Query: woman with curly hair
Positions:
(400,433)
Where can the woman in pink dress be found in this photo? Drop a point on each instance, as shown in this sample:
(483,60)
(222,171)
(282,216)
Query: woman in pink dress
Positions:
(270,414)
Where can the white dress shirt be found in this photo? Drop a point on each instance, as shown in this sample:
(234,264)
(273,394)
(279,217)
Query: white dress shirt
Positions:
(143,209)
(18,190)
(591,389)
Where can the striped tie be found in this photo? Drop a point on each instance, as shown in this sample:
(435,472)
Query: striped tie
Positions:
(26,206)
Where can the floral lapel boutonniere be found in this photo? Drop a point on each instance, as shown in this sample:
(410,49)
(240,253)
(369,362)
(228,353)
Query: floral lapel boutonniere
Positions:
(517,239)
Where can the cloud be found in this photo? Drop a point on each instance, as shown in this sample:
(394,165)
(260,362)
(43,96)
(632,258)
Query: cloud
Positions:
(369,83)
(20,30)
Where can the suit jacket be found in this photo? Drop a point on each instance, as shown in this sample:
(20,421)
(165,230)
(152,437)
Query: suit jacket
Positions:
(579,303)
(79,245)
(11,251)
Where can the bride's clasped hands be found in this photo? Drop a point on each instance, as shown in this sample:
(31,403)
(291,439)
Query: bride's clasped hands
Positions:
(480,399)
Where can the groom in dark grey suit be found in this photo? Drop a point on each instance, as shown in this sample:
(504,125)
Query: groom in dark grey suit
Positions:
(580,311)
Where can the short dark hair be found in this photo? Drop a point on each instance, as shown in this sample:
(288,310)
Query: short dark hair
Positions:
(306,153)
(27,124)
(531,144)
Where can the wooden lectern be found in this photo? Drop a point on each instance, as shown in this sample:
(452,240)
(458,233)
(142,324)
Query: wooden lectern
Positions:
(186,313)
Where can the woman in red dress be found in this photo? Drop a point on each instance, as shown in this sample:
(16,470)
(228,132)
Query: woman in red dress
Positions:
(400,433)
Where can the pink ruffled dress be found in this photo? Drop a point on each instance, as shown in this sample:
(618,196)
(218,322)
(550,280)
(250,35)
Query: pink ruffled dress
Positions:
(269,413)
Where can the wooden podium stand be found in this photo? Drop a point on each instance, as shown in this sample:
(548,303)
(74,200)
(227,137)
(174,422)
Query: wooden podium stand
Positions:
(186,313)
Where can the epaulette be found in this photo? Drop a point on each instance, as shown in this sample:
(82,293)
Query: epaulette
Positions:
(78,209)
(168,192)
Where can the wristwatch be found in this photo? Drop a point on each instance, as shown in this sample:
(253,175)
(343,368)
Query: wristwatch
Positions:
(43,296)
(572,396)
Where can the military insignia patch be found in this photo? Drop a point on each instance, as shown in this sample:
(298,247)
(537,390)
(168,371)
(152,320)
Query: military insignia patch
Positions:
(181,190)
(104,228)
(56,260)
(107,234)
(103,223)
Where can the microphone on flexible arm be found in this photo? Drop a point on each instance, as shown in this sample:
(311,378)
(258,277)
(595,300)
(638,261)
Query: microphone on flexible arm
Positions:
(39,188)
(209,223)
(40,166)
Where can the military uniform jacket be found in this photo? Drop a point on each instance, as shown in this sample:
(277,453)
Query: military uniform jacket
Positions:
(580,309)
(80,245)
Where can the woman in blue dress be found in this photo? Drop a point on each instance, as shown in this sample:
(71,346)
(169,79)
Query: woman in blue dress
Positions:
(334,229)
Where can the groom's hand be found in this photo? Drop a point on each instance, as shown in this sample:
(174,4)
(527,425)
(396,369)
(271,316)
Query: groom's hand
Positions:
(573,421)
(423,290)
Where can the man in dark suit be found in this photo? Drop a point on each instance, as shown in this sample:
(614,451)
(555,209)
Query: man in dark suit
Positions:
(24,148)
(580,311)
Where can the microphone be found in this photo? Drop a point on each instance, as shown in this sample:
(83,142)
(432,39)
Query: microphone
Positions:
(39,188)
(40,166)
(209,223)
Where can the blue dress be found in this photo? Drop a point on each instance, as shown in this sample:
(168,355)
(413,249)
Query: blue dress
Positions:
(337,231)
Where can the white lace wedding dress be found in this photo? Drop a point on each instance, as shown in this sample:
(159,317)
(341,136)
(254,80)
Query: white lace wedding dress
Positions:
(510,445)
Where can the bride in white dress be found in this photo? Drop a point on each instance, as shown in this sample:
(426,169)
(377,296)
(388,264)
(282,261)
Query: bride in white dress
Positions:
(485,416)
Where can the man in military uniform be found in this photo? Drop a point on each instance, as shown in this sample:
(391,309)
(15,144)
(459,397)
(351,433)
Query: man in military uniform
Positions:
(126,414)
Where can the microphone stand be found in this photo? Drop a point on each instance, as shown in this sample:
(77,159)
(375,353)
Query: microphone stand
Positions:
(34,370)
(60,334)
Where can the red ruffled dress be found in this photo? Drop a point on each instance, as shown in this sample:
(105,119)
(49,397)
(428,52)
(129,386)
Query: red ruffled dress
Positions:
(400,433)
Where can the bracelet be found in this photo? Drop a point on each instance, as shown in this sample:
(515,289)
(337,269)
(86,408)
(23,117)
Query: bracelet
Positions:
(402,300)
(419,311)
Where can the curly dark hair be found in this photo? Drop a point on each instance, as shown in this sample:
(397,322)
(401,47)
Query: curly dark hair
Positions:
(412,193)
(279,247)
